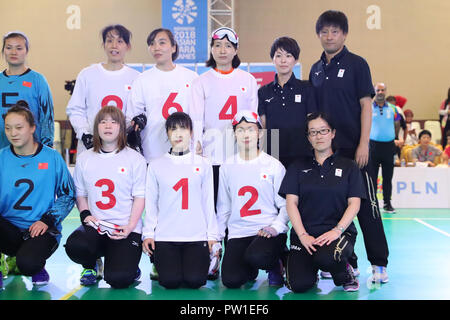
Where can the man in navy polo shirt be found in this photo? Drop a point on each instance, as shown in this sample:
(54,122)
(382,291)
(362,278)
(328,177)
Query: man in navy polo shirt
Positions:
(382,142)
(284,104)
(344,90)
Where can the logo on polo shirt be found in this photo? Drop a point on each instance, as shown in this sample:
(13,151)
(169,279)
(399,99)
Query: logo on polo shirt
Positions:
(338,173)
(306,171)
(341,73)
(298,98)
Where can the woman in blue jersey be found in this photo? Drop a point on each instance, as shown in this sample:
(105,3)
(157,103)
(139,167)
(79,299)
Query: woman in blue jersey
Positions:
(32,176)
(18,82)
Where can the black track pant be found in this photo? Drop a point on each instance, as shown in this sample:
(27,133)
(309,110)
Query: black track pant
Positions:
(382,154)
(31,254)
(85,245)
(369,219)
(245,256)
(182,263)
(302,267)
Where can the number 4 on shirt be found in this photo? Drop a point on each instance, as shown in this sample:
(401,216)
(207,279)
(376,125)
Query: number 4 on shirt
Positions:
(230,104)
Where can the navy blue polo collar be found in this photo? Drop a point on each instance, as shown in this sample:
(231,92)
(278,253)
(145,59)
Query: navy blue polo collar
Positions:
(376,105)
(328,161)
(337,57)
(290,82)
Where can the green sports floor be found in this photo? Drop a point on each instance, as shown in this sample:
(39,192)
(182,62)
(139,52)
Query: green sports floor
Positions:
(419,264)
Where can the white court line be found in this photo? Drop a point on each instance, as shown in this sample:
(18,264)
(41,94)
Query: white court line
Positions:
(432,227)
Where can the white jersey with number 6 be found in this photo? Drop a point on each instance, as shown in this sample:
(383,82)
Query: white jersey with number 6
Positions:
(248,197)
(216,100)
(97,87)
(179,199)
(158,94)
(110,181)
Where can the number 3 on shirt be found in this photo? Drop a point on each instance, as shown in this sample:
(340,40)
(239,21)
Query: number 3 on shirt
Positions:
(170,103)
(224,113)
(245,210)
(108,193)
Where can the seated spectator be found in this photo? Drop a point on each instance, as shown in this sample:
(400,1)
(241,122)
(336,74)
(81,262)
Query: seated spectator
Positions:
(425,152)
(444,112)
(411,134)
(446,154)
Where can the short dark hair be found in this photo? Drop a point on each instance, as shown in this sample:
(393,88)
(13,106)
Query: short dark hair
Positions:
(21,107)
(123,32)
(391,99)
(180,119)
(287,44)
(317,115)
(332,18)
(151,37)
(424,132)
(212,63)
(15,34)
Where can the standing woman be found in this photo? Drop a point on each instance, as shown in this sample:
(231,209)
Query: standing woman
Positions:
(158,92)
(218,95)
(180,226)
(101,84)
(32,177)
(249,206)
(323,195)
(18,82)
(110,185)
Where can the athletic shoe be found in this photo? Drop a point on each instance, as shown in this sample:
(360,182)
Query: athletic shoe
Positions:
(351,283)
(3,266)
(138,274)
(40,278)
(325,275)
(88,277)
(154,274)
(379,274)
(388,207)
(275,276)
(214,265)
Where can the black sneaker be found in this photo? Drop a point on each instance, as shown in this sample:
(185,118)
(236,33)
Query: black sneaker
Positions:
(351,284)
(388,207)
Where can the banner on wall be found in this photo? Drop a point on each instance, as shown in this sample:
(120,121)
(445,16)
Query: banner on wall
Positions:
(188,20)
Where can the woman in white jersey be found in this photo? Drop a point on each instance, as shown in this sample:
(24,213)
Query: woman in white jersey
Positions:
(180,226)
(218,95)
(110,187)
(249,206)
(158,92)
(101,84)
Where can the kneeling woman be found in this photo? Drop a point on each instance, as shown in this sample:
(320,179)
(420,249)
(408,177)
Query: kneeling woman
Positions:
(248,205)
(110,186)
(180,225)
(323,195)
(31,177)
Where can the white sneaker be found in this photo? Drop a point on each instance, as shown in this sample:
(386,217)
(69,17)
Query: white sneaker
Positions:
(325,275)
(379,274)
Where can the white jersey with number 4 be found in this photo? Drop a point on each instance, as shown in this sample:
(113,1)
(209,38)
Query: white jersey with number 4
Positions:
(179,199)
(216,99)
(158,94)
(97,87)
(110,181)
(248,197)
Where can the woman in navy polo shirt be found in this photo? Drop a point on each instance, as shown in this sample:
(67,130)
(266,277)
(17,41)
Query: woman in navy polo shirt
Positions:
(323,195)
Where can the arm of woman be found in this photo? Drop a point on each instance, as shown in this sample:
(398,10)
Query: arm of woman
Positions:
(136,214)
(296,221)
(349,214)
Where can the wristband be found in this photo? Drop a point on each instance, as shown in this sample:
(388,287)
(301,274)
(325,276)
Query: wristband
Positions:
(339,228)
(84,214)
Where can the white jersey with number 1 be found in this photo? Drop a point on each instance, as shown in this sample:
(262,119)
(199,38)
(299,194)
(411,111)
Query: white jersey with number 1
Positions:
(216,99)
(110,181)
(157,94)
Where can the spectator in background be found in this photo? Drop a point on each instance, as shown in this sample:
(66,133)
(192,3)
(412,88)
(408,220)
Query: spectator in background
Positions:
(411,134)
(446,154)
(425,152)
(444,112)
(400,124)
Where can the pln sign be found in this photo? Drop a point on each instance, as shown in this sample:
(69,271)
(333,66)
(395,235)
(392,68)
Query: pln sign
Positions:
(188,20)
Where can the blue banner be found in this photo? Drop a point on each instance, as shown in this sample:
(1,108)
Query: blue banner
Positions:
(188,20)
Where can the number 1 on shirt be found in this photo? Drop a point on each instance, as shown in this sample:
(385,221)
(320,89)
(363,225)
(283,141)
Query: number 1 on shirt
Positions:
(184,185)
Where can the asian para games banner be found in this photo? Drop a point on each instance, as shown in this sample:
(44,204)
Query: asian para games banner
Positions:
(188,20)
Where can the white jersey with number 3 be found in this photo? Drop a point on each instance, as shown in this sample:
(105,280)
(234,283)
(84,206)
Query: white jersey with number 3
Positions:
(179,199)
(248,197)
(110,181)
(216,99)
(97,87)
(157,94)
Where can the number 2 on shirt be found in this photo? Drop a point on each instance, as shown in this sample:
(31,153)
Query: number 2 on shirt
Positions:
(184,185)
(224,113)
(170,103)
(245,210)
(108,193)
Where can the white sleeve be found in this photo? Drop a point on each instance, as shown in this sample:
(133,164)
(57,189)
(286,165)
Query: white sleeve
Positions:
(223,203)
(139,176)
(254,95)
(136,101)
(77,109)
(281,222)
(197,110)
(78,180)
(151,205)
(208,204)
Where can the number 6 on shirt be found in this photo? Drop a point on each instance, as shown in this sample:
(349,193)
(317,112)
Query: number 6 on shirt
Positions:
(171,104)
